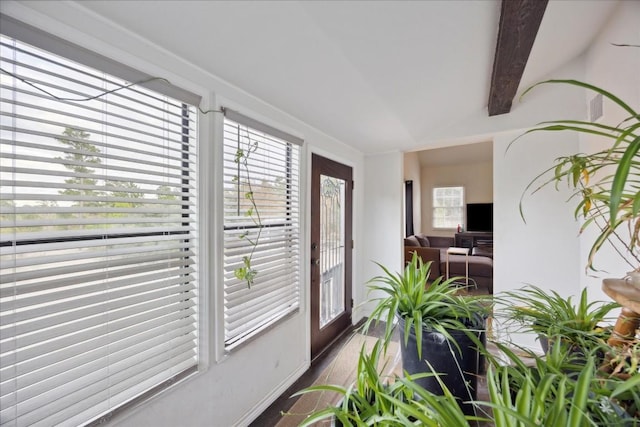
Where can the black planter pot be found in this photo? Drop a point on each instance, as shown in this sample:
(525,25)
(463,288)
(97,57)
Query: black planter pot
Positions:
(458,366)
(544,343)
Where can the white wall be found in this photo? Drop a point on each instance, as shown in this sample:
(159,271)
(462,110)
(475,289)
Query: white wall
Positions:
(382,220)
(545,250)
(412,173)
(616,69)
(476,178)
(236,388)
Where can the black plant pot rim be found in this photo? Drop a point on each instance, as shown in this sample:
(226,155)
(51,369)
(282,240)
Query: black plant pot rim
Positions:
(477,323)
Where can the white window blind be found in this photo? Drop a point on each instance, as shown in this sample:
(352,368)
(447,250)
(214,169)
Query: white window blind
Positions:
(448,207)
(98,252)
(268,234)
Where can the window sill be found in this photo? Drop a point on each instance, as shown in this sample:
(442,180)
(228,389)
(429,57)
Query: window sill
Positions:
(228,349)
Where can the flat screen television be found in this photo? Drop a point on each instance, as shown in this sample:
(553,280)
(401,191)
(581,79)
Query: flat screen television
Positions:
(479,217)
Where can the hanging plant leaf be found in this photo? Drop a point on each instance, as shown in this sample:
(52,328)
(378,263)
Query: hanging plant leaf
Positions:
(620,179)
(606,201)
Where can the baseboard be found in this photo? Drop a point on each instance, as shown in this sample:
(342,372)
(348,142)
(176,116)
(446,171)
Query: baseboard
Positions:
(262,406)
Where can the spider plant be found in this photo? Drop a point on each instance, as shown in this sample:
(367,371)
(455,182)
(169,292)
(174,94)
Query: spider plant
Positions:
(550,315)
(387,401)
(540,392)
(609,201)
(553,400)
(436,306)
(441,330)
(432,410)
(371,399)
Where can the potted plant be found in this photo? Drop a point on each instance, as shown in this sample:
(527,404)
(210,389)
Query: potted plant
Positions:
(551,316)
(552,400)
(441,331)
(559,388)
(620,375)
(606,188)
(372,397)
(387,401)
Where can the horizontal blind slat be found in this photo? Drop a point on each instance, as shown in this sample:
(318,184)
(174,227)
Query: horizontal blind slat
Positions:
(98,238)
(57,339)
(172,164)
(171,161)
(103,234)
(274,172)
(30,412)
(118,168)
(109,264)
(27,359)
(238,336)
(176,136)
(111,241)
(85,123)
(86,294)
(270,302)
(60,374)
(79,255)
(240,293)
(67,307)
(178,183)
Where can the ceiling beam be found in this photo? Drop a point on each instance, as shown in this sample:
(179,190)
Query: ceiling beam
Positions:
(519,23)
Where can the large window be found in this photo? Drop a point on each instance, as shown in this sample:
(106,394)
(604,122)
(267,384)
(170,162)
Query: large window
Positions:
(448,207)
(98,252)
(261,227)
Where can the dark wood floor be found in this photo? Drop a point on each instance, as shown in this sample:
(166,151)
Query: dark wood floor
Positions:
(273,414)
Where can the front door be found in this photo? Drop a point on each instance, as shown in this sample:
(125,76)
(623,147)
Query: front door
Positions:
(331,246)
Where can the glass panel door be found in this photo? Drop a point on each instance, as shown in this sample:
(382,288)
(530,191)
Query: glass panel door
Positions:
(332,196)
(331,248)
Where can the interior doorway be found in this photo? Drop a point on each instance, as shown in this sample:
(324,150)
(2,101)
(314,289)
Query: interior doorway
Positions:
(331,251)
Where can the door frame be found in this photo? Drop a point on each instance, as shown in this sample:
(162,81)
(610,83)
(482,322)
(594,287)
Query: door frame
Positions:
(321,165)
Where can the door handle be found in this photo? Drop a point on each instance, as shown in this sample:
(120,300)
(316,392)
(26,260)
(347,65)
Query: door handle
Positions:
(315,261)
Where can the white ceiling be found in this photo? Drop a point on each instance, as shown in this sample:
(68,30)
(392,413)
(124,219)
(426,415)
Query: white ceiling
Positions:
(377,75)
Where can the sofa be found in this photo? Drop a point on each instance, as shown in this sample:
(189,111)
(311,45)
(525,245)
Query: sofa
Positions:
(434,249)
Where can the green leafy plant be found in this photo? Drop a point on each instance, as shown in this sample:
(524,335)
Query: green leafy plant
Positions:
(436,306)
(620,375)
(372,398)
(553,400)
(387,401)
(539,391)
(620,378)
(609,201)
(434,410)
(625,360)
(551,315)
(247,272)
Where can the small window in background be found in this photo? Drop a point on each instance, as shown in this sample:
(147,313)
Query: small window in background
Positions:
(448,207)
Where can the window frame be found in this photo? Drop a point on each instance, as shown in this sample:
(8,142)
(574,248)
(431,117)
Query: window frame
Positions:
(25,33)
(434,206)
(224,348)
